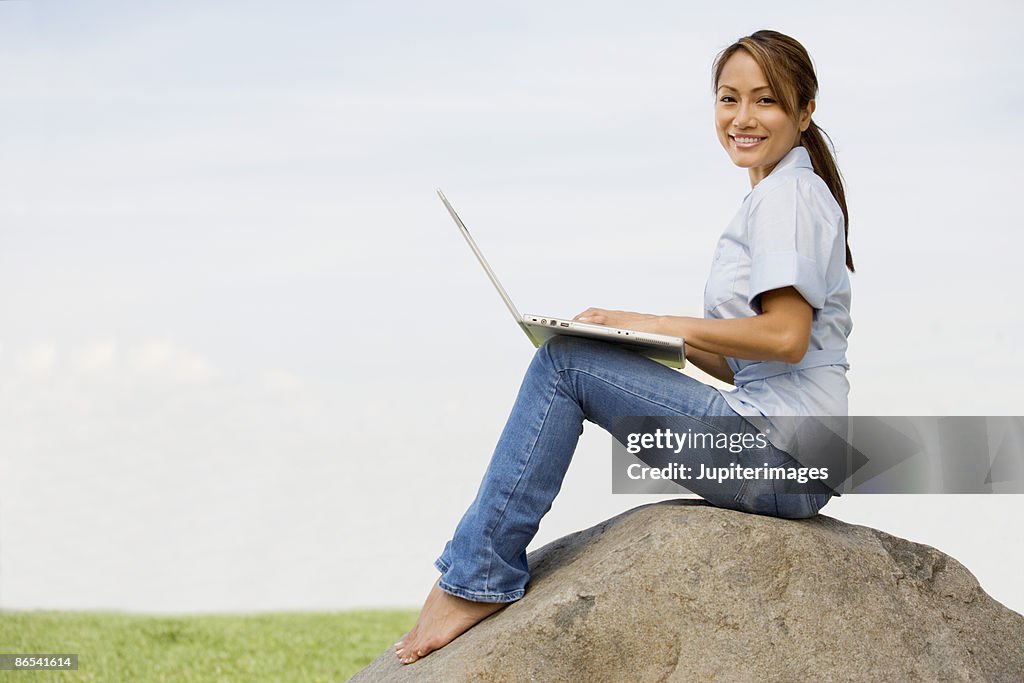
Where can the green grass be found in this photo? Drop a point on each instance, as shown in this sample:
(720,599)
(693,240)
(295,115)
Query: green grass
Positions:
(278,647)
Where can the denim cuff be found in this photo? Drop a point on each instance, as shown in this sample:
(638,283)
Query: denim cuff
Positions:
(475,596)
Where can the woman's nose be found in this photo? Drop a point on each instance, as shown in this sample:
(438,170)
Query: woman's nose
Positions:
(743,117)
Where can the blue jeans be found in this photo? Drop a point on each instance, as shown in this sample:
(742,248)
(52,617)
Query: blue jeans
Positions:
(570,380)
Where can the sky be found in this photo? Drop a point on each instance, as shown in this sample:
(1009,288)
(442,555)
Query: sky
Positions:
(246,361)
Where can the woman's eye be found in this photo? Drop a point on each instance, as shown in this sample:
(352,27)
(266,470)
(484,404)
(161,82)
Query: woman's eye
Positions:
(767,100)
(727,98)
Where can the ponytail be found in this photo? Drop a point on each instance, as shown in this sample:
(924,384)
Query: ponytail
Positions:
(823,159)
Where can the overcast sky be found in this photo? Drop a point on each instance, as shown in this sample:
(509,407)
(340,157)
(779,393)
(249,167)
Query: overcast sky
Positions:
(236,370)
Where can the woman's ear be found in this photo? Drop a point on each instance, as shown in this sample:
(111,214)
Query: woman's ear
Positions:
(805,116)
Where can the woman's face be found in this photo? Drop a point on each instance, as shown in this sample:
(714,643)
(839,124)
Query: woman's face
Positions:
(751,124)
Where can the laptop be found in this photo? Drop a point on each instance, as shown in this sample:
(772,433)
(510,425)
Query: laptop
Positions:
(665,349)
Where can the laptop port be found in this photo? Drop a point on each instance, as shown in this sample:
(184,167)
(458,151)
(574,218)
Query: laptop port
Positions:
(554,322)
(565,324)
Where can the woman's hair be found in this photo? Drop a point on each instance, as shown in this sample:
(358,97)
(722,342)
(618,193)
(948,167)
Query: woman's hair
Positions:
(790,74)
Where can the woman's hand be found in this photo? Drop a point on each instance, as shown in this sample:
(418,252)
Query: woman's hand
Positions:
(627,320)
(782,331)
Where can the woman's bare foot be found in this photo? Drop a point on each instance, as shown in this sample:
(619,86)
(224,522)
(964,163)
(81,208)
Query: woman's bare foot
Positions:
(442,619)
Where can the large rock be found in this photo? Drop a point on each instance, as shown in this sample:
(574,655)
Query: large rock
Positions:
(682,591)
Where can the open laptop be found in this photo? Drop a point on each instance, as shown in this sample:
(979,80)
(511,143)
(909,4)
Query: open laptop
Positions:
(666,350)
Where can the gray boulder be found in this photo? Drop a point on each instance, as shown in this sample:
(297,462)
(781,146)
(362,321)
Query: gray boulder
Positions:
(682,591)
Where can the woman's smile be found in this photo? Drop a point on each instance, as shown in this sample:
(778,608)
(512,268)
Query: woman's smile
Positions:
(746,141)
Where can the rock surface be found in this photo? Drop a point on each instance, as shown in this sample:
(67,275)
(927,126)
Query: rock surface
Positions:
(682,591)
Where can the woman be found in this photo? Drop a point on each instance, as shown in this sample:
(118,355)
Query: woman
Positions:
(775,325)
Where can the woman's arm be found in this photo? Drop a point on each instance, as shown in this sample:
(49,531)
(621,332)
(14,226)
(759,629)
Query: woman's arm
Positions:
(782,331)
(712,363)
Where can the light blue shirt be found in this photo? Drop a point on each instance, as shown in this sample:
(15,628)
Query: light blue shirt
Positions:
(789,232)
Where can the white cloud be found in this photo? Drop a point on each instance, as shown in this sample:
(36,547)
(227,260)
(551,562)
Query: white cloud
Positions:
(164,359)
(38,360)
(194,368)
(281,380)
(96,358)
(152,357)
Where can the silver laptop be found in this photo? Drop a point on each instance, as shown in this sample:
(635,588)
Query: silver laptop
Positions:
(666,350)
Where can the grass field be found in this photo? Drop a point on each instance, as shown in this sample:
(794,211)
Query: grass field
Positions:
(289,646)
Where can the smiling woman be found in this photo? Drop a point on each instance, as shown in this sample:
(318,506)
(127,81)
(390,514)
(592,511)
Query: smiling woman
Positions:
(765,86)
(776,321)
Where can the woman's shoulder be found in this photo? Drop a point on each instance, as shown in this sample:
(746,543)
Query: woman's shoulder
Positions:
(794,188)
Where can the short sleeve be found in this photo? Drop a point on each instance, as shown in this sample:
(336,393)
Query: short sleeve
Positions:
(790,236)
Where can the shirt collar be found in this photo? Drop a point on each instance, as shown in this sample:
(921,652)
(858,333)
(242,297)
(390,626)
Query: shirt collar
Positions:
(795,158)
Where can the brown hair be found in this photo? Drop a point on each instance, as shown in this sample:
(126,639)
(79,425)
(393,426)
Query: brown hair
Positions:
(790,74)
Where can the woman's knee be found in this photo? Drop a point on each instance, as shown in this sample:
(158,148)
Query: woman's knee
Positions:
(564,351)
